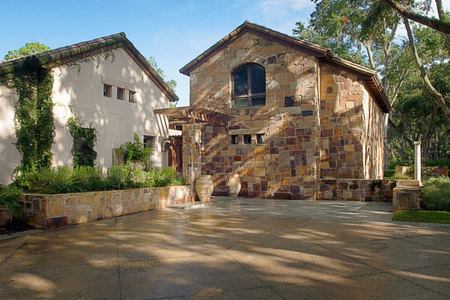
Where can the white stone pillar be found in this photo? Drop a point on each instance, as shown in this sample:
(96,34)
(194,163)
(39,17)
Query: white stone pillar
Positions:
(417,163)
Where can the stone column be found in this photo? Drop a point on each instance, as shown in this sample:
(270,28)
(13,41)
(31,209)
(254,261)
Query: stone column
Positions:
(417,163)
(191,152)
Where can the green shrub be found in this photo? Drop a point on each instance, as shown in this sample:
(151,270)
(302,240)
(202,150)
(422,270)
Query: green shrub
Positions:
(115,178)
(36,181)
(134,151)
(388,173)
(399,162)
(437,163)
(163,176)
(9,196)
(86,179)
(61,180)
(436,193)
(401,176)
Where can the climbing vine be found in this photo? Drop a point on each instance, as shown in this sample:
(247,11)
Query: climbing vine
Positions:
(84,139)
(34,120)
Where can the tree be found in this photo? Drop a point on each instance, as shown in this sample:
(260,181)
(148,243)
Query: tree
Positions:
(375,17)
(28,49)
(415,117)
(171,83)
(439,25)
(365,31)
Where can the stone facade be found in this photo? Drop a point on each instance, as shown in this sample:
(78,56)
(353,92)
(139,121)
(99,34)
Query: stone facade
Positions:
(356,190)
(320,121)
(58,210)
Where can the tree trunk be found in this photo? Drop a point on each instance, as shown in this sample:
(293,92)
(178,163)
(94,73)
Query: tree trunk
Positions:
(367,45)
(423,74)
(442,17)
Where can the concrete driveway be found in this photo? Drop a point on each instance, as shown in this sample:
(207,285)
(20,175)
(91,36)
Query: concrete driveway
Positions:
(234,249)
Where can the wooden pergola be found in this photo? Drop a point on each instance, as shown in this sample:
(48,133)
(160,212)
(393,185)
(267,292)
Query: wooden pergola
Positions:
(190,115)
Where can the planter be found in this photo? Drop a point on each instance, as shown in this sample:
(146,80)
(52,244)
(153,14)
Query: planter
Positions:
(204,187)
(233,185)
(5,216)
(46,211)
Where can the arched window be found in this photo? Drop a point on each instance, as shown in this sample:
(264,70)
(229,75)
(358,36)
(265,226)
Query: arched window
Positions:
(249,86)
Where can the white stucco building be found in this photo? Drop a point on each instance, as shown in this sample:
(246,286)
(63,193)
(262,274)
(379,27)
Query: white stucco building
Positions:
(105,82)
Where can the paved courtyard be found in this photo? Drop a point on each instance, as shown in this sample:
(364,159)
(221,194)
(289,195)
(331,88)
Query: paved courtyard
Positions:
(234,249)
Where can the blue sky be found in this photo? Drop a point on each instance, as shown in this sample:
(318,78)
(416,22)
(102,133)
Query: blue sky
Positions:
(174,32)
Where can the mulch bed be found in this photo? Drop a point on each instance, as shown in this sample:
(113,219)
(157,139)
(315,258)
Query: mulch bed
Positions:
(15,226)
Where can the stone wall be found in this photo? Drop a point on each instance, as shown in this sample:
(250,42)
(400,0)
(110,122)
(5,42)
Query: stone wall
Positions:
(356,190)
(58,210)
(319,122)
(351,125)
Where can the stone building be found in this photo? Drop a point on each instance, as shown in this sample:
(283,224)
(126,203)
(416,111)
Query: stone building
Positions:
(291,119)
(105,82)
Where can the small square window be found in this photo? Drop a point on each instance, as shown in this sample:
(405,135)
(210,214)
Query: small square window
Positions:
(260,139)
(234,139)
(132,97)
(247,139)
(107,90)
(120,93)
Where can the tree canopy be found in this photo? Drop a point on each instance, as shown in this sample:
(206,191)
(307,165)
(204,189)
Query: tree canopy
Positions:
(171,83)
(414,69)
(28,49)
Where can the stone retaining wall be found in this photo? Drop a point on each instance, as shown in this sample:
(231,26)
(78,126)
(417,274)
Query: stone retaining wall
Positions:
(427,171)
(58,210)
(356,190)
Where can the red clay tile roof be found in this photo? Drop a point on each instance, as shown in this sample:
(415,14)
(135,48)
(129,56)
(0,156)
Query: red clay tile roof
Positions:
(323,54)
(69,54)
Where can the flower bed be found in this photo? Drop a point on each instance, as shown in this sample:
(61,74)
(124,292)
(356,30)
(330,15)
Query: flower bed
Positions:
(44,211)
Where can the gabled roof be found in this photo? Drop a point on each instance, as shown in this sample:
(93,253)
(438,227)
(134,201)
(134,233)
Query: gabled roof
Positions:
(76,52)
(370,76)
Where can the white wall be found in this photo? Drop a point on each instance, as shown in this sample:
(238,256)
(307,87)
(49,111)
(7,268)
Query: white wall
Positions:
(78,90)
(9,156)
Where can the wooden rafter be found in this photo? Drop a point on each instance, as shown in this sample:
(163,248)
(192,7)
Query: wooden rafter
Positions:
(188,115)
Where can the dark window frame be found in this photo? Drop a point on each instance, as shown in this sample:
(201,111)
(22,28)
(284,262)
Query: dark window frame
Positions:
(247,136)
(121,93)
(234,139)
(260,138)
(250,95)
(107,90)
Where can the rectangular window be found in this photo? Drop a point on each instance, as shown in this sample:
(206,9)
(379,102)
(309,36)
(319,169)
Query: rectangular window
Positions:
(149,141)
(234,139)
(247,139)
(132,97)
(107,90)
(120,93)
(260,139)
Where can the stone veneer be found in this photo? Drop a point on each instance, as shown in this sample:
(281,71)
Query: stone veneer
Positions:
(57,210)
(356,190)
(319,122)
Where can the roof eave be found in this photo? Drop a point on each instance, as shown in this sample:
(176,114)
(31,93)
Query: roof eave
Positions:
(65,55)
